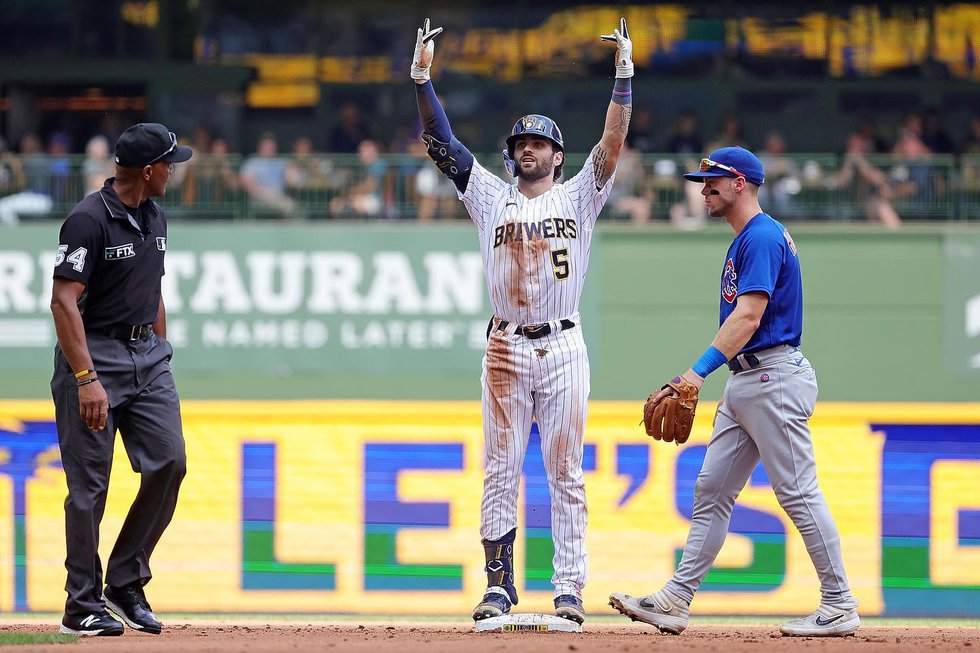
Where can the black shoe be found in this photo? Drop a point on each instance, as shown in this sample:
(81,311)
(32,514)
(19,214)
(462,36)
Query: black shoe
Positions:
(570,607)
(129,603)
(95,624)
(494,604)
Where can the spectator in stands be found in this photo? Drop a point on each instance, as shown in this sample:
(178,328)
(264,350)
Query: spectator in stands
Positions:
(437,197)
(307,170)
(912,175)
(685,138)
(867,131)
(866,183)
(971,144)
(365,198)
(970,163)
(632,194)
(201,144)
(783,178)
(98,165)
(350,130)
(263,177)
(934,135)
(16,199)
(215,181)
(59,167)
(640,136)
(730,132)
(689,213)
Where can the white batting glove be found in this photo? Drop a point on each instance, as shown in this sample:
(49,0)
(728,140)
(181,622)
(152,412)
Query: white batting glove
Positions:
(425,49)
(624,49)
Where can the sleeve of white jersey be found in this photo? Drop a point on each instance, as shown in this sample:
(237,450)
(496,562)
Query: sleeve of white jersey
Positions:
(582,190)
(481,190)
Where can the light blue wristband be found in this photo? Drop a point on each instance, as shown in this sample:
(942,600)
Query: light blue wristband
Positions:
(710,361)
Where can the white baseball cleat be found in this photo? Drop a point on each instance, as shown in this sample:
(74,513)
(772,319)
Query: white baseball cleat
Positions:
(836,620)
(662,609)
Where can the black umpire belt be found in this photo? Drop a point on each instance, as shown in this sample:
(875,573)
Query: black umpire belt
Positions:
(532,331)
(743,363)
(127,331)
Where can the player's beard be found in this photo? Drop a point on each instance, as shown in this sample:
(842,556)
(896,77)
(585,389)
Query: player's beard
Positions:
(535,173)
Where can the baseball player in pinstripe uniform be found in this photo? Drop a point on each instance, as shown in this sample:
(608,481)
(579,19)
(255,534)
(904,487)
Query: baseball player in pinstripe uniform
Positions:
(763,413)
(534,238)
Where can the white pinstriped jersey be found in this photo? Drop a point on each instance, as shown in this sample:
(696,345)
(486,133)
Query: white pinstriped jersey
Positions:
(535,251)
(535,256)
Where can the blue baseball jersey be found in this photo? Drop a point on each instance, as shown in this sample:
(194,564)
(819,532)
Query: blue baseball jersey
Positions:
(762,258)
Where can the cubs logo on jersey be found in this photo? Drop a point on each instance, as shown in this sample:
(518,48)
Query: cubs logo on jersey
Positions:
(729,283)
(789,241)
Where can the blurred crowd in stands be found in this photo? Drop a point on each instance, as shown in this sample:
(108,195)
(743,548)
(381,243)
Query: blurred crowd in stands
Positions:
(881,173)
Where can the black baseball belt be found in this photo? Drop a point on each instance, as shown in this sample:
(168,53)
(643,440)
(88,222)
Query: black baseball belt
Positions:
(746,362)
(743,363)
(127,331)
(531,331)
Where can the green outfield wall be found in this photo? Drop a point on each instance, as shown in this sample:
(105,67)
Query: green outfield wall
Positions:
(390,310)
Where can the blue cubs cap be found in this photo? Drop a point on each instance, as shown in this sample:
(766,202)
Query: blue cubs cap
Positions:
(149,142)
(730,162)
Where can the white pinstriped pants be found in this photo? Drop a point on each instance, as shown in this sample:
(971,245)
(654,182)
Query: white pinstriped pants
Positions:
(548,380)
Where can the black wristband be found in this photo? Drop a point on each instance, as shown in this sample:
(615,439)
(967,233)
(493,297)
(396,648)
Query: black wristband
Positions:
(87,381)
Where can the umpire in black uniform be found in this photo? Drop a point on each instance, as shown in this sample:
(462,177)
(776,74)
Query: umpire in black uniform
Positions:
(112,371)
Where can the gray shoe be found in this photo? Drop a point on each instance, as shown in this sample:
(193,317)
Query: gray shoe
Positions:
(662,609)
(836,620)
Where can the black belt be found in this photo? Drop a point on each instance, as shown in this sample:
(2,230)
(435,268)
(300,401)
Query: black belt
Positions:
(128,331)
(751,359)
(531,331)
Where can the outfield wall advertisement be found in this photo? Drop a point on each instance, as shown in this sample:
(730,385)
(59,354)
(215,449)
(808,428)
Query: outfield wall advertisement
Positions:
(293,300)
(399,311)
(374,506)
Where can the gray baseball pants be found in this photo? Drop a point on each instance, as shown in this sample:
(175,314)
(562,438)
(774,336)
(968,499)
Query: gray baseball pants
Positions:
(763,414)
(144,407)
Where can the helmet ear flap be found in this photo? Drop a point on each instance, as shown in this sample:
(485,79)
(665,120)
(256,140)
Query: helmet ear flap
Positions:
(509,162)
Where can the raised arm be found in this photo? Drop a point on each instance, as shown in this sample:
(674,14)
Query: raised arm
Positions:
(620,107)
(451,156)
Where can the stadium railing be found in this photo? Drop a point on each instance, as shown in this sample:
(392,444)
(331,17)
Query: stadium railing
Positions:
(324,187)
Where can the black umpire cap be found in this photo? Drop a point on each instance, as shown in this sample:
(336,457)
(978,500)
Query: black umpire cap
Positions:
(149,142)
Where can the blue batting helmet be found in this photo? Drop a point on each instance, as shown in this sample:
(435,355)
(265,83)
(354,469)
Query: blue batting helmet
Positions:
(537,125)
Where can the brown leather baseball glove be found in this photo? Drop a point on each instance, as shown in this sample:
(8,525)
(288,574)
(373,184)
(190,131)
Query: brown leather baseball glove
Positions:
(672,418)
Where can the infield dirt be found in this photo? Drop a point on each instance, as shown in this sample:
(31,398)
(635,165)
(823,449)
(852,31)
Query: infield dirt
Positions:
(430,637)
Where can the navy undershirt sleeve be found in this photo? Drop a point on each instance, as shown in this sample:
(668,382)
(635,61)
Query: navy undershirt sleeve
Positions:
(434,119)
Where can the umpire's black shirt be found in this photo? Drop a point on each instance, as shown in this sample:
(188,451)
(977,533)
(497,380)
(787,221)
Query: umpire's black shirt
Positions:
(117,253)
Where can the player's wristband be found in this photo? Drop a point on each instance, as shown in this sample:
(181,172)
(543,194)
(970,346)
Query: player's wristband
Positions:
(87,381)
(710,361)
(79,375)
(623,90)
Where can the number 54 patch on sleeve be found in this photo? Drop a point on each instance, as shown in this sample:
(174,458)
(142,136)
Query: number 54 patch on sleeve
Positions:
(76,258)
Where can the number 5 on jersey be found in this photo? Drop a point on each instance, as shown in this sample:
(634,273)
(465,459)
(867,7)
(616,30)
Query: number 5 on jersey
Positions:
(76,258)
(559,260)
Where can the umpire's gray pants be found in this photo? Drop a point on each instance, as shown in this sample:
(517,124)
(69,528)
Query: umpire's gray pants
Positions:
(763,413)
(144,407)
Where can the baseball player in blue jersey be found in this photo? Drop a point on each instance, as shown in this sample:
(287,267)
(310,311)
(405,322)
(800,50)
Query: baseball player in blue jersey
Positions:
(763,413)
